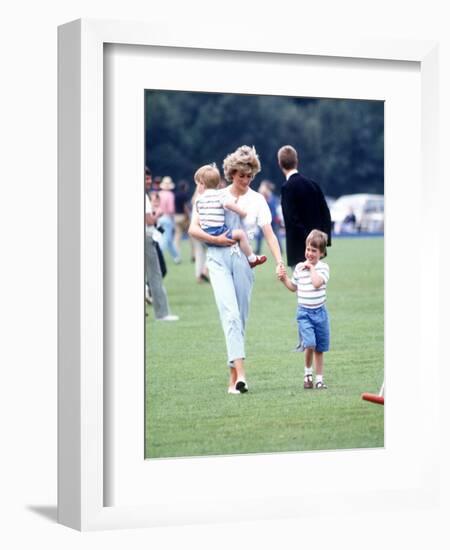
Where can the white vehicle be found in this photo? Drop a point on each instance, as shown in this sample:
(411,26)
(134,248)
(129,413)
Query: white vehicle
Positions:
(330,201)
(372,219)
(367,210)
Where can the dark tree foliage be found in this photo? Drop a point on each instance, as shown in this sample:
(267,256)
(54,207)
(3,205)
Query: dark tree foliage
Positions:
(340,141)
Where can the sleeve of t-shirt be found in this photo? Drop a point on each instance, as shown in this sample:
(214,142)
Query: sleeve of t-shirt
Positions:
(295,276)
(196,203)
(224,197)
(324,271)
(263,216)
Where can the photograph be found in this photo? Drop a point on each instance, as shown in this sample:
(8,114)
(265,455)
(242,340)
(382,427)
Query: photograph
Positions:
(206,180)
(264,274)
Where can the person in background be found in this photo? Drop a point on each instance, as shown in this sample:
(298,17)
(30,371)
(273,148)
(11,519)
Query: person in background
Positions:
(157,234)
(156,182)
(153,274)
(266,188)
(182,213)
(349,223)
(303,204)
(167,221)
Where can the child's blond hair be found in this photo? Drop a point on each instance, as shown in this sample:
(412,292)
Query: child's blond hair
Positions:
(208,175)
(318,239)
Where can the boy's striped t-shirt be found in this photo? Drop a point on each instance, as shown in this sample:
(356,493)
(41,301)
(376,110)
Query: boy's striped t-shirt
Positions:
(307,295)
(210,208)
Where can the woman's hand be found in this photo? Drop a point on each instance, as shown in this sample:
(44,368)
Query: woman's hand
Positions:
(197,232)
(281,271)
(223,240)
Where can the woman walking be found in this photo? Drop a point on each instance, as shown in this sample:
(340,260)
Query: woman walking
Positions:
(230,273)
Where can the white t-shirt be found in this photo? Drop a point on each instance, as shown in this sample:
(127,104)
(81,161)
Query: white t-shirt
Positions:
(258,212)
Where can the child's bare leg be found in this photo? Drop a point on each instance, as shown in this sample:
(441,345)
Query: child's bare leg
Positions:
(241,236)
(318,362)
(308,379)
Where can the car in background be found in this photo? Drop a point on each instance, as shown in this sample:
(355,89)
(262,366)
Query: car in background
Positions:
(360,212)
(372,219)
(330,201)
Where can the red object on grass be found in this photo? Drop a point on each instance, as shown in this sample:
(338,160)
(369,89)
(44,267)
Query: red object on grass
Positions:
(374,398)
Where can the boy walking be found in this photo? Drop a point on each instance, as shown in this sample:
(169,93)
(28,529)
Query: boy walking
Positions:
(309,281)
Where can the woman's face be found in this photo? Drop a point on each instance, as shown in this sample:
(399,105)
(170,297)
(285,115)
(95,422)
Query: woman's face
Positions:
(241,180)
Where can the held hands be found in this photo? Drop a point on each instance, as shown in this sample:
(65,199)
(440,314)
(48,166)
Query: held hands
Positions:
(281,271)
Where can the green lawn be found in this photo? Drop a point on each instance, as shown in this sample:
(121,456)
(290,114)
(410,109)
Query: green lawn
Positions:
(188,410)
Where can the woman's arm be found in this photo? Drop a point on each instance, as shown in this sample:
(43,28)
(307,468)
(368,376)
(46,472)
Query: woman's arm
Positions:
(197,232)
(272,242)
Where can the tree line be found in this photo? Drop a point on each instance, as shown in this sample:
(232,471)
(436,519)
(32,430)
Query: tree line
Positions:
(340,141)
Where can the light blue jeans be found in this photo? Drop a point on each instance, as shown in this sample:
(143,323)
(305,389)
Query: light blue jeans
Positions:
(232,281)
(167,243)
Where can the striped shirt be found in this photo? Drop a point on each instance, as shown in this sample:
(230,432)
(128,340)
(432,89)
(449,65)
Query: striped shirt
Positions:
(307,295)
(210,208)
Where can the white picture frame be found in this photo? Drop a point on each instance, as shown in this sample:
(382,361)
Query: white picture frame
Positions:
(82,485)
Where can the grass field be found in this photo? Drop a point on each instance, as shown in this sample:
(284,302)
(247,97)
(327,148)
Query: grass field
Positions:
(188,410)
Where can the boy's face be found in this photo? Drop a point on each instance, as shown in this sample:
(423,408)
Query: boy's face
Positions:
(312,254)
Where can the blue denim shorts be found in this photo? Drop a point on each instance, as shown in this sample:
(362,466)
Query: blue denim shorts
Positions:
(314,327)
(215,231)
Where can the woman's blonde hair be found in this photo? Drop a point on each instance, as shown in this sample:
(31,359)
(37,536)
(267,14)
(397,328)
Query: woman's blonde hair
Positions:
(244,159)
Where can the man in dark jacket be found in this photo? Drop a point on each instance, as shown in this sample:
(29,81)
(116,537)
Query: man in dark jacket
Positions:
(303,204)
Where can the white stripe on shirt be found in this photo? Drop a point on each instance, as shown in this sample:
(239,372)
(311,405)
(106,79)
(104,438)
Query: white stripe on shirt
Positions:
(210,208)
(307,295)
